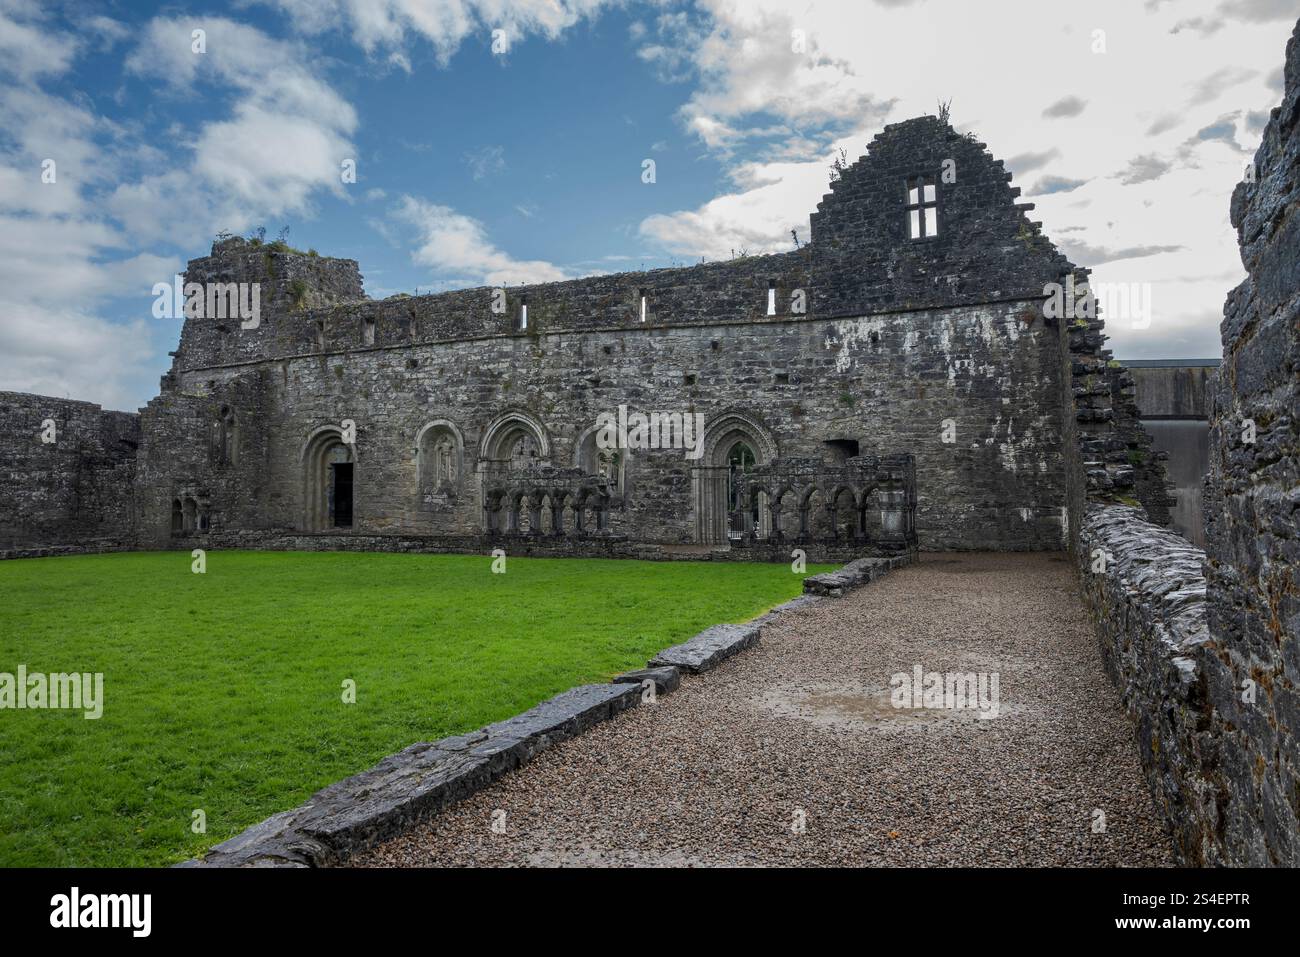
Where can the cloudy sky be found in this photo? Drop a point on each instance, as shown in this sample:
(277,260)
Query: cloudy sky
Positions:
(1127,121)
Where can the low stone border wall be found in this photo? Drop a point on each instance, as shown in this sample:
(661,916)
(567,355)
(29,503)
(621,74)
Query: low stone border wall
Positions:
(1149,610)
(412,785)
(92,547)
(526,546)
(859,572)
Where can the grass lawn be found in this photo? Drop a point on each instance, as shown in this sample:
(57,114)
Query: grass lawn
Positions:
(223,691)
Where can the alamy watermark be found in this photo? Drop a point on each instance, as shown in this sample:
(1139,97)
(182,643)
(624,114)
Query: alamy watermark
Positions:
(655,430)
(953,690)
(1129,301)
(127,911)
(56,691)
(209,300)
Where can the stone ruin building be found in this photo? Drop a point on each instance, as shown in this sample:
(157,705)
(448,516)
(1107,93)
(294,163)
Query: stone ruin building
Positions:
(895,383)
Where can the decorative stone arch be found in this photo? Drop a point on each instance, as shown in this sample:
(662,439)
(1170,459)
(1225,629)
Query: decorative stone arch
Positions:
(845,522)
(439,458)
(760,519)
(784,511)
(500,436)
(813,515)
(717,516)
(329,480)
(588,457)
(568,511)
(732,426)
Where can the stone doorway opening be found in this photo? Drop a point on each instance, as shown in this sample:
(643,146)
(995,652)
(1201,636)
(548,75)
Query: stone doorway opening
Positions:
(329,482)
(340,494)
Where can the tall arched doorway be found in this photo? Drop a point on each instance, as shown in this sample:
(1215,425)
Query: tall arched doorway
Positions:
(734,445)
(329,482)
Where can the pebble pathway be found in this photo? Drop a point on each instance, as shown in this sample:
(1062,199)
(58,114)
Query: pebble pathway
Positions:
(793,754)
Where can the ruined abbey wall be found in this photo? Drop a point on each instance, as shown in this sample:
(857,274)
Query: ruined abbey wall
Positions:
(68,475)
(1253,503)
(863,341)
(887,383)
(863,344)
(1205,645)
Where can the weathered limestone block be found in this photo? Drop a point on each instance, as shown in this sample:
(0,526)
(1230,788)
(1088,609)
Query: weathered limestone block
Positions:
(858,572)
(667,678)
(709,648)
(1252,505)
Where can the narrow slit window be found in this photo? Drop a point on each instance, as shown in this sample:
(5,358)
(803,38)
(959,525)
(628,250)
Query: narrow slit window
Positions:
(922,208)
(771,299)
(523,314)
(368,332)
(643,305)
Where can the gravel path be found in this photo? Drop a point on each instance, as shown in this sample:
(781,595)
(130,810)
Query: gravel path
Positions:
(802,729)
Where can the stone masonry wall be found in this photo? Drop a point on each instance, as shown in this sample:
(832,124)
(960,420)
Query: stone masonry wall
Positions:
(1253,498)
(74,491)
(949,336)
(1147,599)
(1205,646)
(862,338)
(887,382)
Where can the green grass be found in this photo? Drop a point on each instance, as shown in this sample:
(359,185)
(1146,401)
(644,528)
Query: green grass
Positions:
(223,691)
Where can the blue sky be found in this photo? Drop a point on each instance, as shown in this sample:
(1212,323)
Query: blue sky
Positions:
(481,166)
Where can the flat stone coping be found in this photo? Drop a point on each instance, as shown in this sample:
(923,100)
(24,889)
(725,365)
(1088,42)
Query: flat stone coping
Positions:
(709,648)
(859,572)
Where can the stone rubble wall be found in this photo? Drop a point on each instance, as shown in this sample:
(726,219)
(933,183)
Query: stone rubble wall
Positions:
(1148,607)
(898,338)
(902,340)
(888,383)
(74,494)
(1253,497)
(1205,645)
(528,546)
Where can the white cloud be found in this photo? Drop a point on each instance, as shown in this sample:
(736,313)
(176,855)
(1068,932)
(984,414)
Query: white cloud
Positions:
(1138,183)
(486,161)
(771,200)
(391,25)
(27,51)
(457,247)
(75,254)
(285,139)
